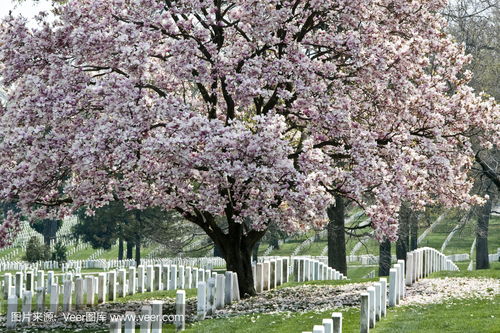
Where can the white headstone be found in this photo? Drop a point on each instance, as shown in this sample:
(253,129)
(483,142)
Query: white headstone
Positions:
(393,286)
(131,281)
(201,301)
(219,291)
(54,298)
(371,293)
(26,307)
(111,286)
(101,280)
(365,313)
(146,322)
(140,278)
(180,309)
(11,312)
(79,293)
(67,297)
(157,312)
(318,329)
(149,278)
(173,277)
(259,273)
(211,296)
(337,322)
(89,281)
(129,322)
(228,288)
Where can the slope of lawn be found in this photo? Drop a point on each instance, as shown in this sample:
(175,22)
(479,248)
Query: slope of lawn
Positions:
(276,323)
(358,272)
(494,234)
(492,272)
(82,254)
(462,240)
(472,316)
(313,249)
(286,249)
(439,233)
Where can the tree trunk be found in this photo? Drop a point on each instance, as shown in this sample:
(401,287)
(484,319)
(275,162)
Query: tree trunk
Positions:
(237,247)
(384,264)
(336,236)
(483,220)
(46,238)
(120,248)
(236,243)
(49,231)
(138,216)
(130,249)
(217,251)
(255,251)
(403,236)
(239,260)
(413,231)
(138,251)
(53,231)
(275,243)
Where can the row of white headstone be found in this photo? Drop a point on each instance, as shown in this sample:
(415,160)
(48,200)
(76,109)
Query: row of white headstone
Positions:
(106,286)
(419,264)
(15,284)
(307,269)
(333,325)
(218,291)
(273,272)
(268,275)
(7,265)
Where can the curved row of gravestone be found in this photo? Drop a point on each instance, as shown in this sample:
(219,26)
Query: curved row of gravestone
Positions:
(164,275)
(6,265)
(270,273)
(419,264)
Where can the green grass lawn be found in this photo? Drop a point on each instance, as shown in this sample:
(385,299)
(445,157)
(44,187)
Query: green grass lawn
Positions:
(83,254)
(462,240)
(493,272)
(199,252)
(494,234)
(276,323)
(6,252)
(314,249)
(471,316)
(435,239)
(359,272)
(287,248)
(464,316)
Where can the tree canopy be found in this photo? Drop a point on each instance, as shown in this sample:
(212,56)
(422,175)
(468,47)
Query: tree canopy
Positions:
(257,111)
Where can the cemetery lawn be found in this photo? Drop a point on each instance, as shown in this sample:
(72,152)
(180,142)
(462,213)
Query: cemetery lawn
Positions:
(283,322)
(455,315)
(471,315)
(493,272)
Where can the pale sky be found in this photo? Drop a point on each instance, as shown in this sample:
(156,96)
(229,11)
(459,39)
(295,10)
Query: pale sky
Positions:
(27,8)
